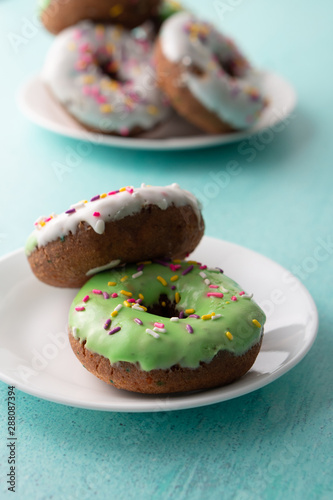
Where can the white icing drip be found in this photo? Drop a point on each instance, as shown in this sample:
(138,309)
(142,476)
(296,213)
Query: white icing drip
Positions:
(95,270)
(220,93)
(76,80)
(115,207)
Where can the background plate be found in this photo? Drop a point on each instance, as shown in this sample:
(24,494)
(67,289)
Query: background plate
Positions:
(38,105)
(35,355)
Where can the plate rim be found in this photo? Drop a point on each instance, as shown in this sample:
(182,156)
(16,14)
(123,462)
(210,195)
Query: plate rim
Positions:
(212,394)
(167,144)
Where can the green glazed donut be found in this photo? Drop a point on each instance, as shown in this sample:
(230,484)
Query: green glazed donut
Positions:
(161,326)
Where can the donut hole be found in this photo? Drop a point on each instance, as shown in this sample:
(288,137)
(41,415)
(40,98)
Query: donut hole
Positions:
(164,308)
(109,68)
(196,70)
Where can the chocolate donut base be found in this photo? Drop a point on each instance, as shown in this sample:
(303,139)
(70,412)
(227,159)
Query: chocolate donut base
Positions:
(150,234)
(224,368)
(169,75)
(61,14)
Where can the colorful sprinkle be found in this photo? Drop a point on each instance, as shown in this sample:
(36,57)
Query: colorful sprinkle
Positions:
(114,295)
(174,278)
(213,286)
(215,294)
(86,298)
(97,292)
(137,275)
(189,328)
(114,314)
(194,316)
(189,311)
(124,278)
(234,298)
(162,280)
(256,323)
(181,315)
(70,211)
(94,198)
(206,317)
(106,295)
(141,296)
(96,214)
(159,325)
(229,335)
(174,318)
(177,297)
(107,324)
(112,283)
(159,330)
(207,282)
(126,293)
(118,307)
(138,321)
(152,333)
(80,308)
(126,303)
(187,270)
(115,330)
(241,293)
(216,316)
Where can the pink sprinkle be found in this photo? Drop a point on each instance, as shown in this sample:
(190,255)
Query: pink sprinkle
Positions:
(129,190)
(101,99)
(80,308)
(213,286)
(175,267)
(215,294)
(114,295)
(98,292)
(112,192)
(86,298)
(84,47)
(203,267)
(86,90)
(159,325)
(131,301)
(96,214)
(47,220)
(77,34)
(241,293)
(124,131)
(234,298)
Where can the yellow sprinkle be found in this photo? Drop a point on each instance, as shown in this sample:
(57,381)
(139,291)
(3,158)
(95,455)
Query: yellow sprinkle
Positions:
(106,108)
(42,223)
(162,280)
(142,307)
(163,304)
(85,201)
(191,262)
(229,335)
(189,311)
(256,323)
(228,302)
(176,261)
(125,292)
(127,304)
(112,283)
(116,10)
(114,314)
(71,46)
(152,110)
(88,79)
(177,297)
(212,314)
(124,278)
(104,195)
(141,296)
(122,189)
(174,278)
(206,316)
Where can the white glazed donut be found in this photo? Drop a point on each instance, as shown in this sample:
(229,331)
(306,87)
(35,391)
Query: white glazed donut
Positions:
(104,77)
(196,62)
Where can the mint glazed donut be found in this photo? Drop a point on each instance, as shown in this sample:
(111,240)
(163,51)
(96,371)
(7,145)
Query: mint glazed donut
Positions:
(207,79)
(165,326)
(103,76)
(57,15)
(116,227)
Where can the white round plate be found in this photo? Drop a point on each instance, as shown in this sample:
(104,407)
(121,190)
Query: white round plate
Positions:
(36,357)
(176,134)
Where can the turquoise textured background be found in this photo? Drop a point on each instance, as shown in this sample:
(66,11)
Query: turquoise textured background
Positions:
(275,443)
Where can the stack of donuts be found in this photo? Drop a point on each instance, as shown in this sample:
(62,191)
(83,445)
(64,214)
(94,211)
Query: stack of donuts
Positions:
(122,67)
(145,319)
